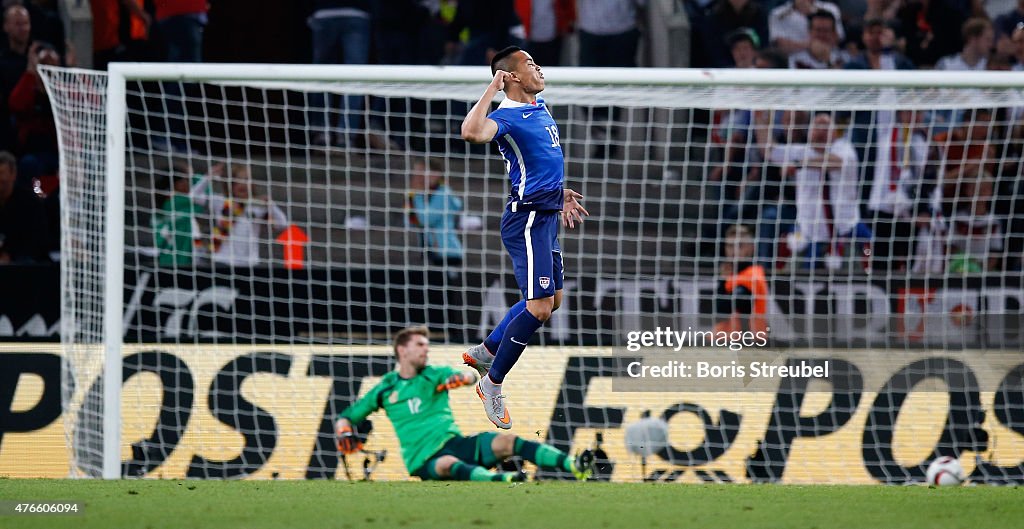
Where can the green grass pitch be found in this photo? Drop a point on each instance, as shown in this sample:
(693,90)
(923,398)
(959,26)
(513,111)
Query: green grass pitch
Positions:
(156,504)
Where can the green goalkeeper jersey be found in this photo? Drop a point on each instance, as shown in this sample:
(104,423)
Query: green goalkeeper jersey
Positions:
(421,416)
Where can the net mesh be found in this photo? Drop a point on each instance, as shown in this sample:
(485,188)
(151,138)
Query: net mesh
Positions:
(278,232)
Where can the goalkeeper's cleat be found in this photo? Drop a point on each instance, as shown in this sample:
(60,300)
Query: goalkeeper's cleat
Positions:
(494,405)
(583,465)
(511,477)
(479,358)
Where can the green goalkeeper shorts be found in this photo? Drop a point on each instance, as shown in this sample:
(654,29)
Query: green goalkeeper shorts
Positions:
(473,449)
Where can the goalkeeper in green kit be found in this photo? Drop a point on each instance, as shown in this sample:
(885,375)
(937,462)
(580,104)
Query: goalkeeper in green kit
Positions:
(415,398)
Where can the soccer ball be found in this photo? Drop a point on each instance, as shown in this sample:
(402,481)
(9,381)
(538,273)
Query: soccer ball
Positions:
(945,470)
(647,436)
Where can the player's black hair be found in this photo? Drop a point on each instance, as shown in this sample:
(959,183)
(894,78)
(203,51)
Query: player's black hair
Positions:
(500,60)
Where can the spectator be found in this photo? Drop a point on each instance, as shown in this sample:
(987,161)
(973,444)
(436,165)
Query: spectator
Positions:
(771,58)
(742,296)
(969,144)
(1005,25)
(46,23)
(929,246)
(964,197)
(884,10)
(23,230)
(1000,63)
(823,50)
(341,35)
(36,133)
(730,15)
(964,235)
(826,175)
(878,52)
(854,19)
(238,218)
(868,126)
(608,32)
(899,172)
(769,194)
(1018,48)
(747,190)
(974,235)
(546,23)
(726,17)
(405,32)
(933,28)
(435,210)
(978,38)
(106,30)
(789,27)
(608,37)
(743,45)
(731,132)
(181,24)
(175,225)
(13,61)
(492,24)
(1011,188)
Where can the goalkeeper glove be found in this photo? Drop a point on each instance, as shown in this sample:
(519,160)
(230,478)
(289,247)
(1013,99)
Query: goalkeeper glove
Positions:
(346,438)
(456,381)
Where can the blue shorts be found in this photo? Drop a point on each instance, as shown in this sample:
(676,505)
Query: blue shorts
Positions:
(531,238)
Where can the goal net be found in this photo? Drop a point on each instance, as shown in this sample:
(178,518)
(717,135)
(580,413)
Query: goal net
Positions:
(241,241)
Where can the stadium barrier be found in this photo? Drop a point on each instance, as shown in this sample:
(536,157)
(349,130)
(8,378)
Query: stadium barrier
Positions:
(262,305)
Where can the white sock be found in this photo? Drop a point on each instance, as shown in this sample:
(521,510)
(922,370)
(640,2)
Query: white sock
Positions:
(483,348)
(489,387)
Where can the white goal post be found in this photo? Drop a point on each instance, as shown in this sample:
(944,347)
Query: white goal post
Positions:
(646,146)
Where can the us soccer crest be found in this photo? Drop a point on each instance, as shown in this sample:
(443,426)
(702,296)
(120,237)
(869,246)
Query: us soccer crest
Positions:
(545,282)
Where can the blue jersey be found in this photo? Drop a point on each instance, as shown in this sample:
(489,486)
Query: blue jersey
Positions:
(528,140)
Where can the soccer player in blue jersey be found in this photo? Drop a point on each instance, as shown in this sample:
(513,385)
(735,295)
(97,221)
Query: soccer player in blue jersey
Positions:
(527,137)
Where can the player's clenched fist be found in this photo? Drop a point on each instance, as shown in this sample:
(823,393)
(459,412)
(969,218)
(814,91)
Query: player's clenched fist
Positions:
(346,437)
(455,381)
(499,79)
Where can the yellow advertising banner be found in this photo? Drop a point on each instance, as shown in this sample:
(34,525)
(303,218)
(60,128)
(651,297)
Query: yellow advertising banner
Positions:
(264,412)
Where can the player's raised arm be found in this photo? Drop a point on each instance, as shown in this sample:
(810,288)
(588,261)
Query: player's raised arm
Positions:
(477,128)
(457,380)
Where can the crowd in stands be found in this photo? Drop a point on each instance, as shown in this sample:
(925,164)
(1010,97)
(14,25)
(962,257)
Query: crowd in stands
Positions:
(34,35)
(931,191)
(894,191)
(29,204)
(910,191)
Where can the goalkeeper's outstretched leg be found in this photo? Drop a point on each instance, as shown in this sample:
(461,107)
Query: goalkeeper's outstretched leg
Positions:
(471,458)
(451,467)
(544,456)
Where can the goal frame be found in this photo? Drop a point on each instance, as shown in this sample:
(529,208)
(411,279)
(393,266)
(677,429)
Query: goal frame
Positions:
(120,73)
